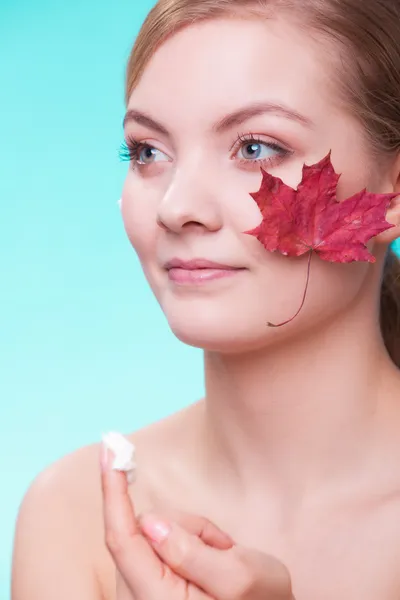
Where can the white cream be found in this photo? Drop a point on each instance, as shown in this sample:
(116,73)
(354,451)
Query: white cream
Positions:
(124,454)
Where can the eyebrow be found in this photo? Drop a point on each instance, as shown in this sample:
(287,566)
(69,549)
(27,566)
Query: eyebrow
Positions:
(228,121)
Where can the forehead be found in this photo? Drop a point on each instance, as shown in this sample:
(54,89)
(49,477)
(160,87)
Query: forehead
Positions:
(215,66)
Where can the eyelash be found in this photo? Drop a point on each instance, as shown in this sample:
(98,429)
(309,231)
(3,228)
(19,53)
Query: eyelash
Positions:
(131,148)
(244,139)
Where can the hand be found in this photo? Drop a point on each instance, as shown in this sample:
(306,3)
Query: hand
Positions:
(182,558)
(234,573)
(141,574)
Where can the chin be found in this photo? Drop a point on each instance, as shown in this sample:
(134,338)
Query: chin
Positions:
(213,340)
(237,328)
(220,331)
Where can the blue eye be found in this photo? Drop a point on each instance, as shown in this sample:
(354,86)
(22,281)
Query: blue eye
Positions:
(140,153)
(253,149)
(147,154)
(256,150)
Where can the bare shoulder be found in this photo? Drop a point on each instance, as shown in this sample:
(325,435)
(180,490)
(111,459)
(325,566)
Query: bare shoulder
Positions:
(52,537)
(59,548)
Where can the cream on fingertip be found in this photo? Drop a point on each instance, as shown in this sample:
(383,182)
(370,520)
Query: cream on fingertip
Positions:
(124,454)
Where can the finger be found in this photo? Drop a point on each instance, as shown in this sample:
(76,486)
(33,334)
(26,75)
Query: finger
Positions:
(188,556)
(134,557)
(198,525)
(236,573)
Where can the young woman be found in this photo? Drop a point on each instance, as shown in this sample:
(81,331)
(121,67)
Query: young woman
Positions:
(284,481)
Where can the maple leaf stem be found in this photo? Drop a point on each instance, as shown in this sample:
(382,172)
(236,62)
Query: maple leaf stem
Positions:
(304,296)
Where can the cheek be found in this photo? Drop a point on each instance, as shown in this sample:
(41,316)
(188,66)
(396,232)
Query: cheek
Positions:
(331,287)
(238,209)
(139,216)
(334,287)
(235,319)
(275,291)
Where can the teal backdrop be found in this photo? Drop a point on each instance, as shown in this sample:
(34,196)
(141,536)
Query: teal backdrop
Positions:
(84,347)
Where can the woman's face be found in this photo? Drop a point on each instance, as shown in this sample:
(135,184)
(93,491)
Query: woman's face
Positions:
(217,101)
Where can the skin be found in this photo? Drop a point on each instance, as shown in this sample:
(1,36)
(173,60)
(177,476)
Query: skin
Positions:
(293,453)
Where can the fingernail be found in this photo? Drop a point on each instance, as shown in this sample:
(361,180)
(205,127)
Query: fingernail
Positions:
(154,528)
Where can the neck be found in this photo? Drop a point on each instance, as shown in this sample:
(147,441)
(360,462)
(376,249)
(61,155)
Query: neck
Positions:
(297,418)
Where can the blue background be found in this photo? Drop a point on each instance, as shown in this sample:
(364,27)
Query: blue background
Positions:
(83,342)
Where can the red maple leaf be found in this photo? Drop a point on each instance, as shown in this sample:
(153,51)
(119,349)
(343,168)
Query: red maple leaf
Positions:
(311,220)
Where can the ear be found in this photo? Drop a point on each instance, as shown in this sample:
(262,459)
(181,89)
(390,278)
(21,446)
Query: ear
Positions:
(393,212)
(392,217)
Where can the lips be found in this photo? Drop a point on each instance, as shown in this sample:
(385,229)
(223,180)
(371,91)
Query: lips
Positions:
(198,271)
(196,263)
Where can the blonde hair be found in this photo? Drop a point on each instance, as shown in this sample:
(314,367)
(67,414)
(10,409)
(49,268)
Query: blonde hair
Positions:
(366,37)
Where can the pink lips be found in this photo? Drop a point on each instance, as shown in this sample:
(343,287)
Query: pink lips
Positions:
(198,271)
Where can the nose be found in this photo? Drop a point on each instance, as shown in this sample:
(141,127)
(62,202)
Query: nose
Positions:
(190,203)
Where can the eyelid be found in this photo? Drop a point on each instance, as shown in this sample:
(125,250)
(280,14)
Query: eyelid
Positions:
(148,140)
(281,152)
(144,145)
(131,147)
(257,138)
(135,146)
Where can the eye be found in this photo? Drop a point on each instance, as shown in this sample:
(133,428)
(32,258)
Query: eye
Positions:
(141,153)
(148,154)
(251,152)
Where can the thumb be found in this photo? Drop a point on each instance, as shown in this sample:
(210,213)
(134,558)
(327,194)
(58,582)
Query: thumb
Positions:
(231,573)
(198,526)
(185,552)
